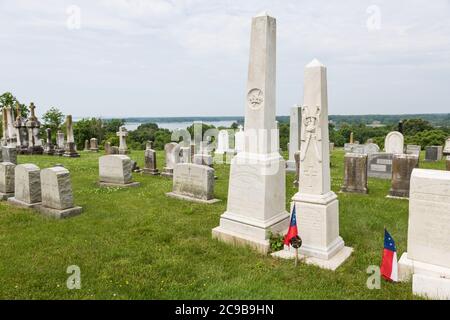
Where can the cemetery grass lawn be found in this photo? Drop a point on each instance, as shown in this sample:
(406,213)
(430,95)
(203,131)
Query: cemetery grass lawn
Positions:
(140,244)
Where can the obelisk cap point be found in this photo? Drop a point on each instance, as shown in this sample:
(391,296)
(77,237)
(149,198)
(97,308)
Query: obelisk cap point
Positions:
(262,14)
(315,63)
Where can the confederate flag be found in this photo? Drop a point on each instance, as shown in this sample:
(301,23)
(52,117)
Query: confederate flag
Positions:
(389,268)
(292,232)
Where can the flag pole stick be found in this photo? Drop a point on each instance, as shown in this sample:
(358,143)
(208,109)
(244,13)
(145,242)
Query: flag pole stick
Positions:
(296,257)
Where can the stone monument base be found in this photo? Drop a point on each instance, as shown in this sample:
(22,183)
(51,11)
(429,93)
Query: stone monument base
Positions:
(290,166)
(17,203)
(331,264)
(71,155)
(59,214)
(345,189)
(119,185)
(152,172)
(6,196)
(428,280)
(318,225)
(187,198)
(93,150)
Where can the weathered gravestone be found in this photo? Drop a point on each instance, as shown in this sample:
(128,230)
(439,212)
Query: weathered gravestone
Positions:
(27,186)
(427,261)
(250,215)
(193,182)
(172,152)
(402,167)
(413,149)
(355,173)
(297,169)
(9,154)
(71,149)
(49,147)
(93,145)
(150,166)
(6,180)
(122,134)
(60,143)
(433,153)
(380,165)
(57,197)
(115,171)
(294,136)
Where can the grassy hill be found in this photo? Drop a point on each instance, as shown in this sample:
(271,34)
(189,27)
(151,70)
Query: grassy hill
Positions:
(140,244)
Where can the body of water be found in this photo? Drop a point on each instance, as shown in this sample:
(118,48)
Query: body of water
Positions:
(179,125)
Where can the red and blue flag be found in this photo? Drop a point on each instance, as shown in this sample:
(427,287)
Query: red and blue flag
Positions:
(293,231)
(389,267)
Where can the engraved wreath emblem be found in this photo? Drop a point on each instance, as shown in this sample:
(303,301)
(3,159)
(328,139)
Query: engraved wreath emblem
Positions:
(255,98)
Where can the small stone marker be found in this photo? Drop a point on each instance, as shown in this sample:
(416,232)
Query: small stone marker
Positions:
(433,153)
(427,261)
(380,165)
(172,151)
(57,197)
(27,186)
(193,182)
(115,171)
(93,146)
(9,154)
(355,173)
(402,167)
(413,149)
(394,143)
(150,161)
(6,180)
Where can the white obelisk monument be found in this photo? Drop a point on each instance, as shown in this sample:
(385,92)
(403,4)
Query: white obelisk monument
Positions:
(316,205)
(256,194)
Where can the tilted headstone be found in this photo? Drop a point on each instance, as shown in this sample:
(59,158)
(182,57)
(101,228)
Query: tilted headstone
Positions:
(446,150)
(413,149)
(433,153)
(56,191)
(427,261)
(6,180)
(172,152)
(394,143)
(27,186)
(251,216)
(9,154)
(317,206)
(150,166)
(193,183)
(115,171)
(402,167)
(93,145)
(380,165)
(294,136)
(355,173)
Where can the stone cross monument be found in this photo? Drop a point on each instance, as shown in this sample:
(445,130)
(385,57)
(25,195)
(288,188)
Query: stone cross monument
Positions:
(122,134)
(256,196)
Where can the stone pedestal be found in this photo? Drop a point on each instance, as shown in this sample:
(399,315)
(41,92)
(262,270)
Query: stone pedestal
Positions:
(71,151)
(355,173)
(256,193)
(402,167)
(427,261)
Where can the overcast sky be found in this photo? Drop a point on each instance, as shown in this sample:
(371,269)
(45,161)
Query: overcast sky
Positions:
(190,57)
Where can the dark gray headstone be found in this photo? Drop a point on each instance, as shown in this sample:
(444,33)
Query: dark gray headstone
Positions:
(380,165)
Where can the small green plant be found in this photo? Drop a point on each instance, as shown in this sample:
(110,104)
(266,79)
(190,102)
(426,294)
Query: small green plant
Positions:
(276,242)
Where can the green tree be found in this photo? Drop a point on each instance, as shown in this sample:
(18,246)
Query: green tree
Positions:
(414,126)
(53,119)
(85,129)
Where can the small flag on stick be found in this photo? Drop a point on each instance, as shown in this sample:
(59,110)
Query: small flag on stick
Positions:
(389,267)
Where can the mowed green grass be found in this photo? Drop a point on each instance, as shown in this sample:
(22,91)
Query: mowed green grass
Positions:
(139,244)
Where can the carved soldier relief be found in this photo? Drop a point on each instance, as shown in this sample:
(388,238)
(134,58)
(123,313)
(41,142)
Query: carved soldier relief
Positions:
(311,132)
(255,99)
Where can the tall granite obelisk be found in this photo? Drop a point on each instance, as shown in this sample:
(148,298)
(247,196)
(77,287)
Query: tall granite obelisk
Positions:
(316,205)
(256,194)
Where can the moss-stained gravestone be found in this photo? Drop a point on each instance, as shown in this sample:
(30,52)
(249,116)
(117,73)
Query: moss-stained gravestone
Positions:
(193,182)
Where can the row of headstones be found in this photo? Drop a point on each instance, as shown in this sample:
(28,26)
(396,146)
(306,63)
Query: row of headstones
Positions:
(191,181)
(49,191)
